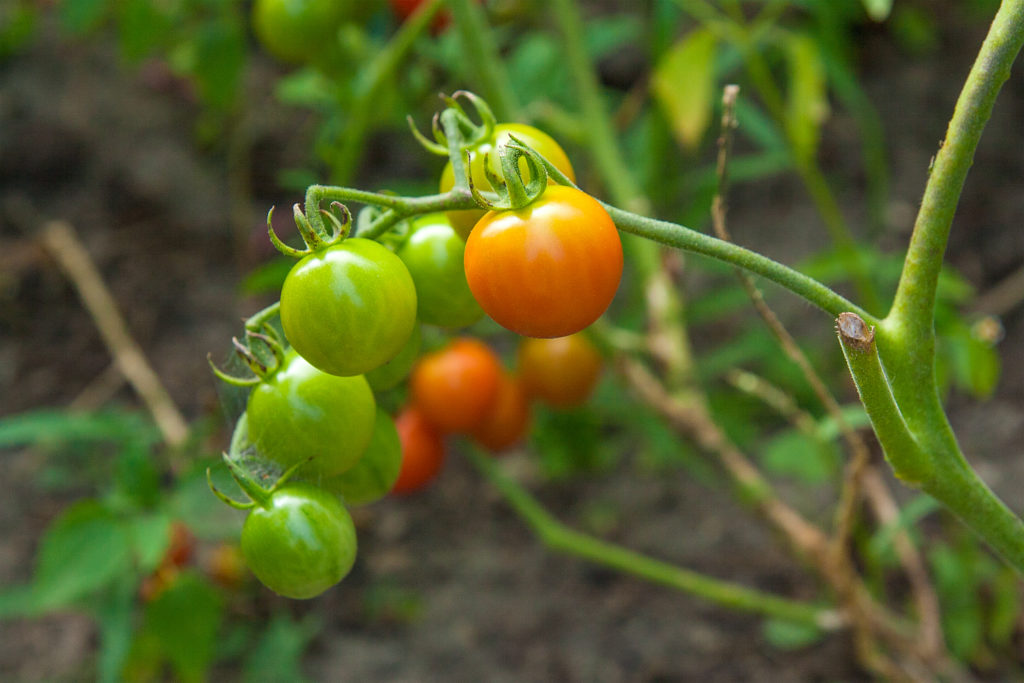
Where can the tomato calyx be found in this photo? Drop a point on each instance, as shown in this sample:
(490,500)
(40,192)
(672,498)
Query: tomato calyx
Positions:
(314,233)
(513,193)
(258,495)
(470,134)
(262,352)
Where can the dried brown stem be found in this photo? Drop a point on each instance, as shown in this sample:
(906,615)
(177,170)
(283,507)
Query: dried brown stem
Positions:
(60,240)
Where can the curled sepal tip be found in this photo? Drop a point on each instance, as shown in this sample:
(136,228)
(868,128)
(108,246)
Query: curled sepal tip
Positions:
(487,119)
(227,500)
(440,147)
(278,244)
(231,379)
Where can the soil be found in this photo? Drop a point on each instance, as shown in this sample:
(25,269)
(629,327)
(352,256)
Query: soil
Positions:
(113,151)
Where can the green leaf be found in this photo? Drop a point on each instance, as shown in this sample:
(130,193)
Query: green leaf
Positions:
(683,83)
(56,426)
(917,509)
(807,97)
(18,601)
(306,88)
(220,53)
(1006,606)
(142,28)
(114,616)
(150,535)
(84,550)
(277,658)
(17,25)
(878,10)
(799,455)
(82,16)
(194,504)
(136,476)
(790,635)
(186,618)
(267,278)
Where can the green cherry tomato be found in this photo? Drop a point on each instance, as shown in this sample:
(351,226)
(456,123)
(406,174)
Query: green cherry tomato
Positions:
(300,544)
(390,374)
(433,253)
(373,476)
(295,31)
(299,412)
(349,308)
(487,153)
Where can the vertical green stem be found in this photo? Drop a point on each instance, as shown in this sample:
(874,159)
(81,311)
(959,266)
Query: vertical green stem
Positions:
(480,52)
(373,76)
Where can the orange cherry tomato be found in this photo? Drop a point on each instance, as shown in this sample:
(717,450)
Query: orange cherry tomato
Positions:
(561,372)
(509,419)
(422,451)
(549,269)
(456,386)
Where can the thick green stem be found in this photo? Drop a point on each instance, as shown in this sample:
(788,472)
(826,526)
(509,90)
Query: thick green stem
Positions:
(560,538)
(480,52)
(361,110)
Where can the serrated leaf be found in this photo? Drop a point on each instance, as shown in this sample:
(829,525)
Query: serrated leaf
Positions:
(683,84)
(85,549)
(185,618)
(807,96)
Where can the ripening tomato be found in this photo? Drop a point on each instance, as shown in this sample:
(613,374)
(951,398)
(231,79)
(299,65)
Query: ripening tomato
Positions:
(562,371)
(487,153)
(349,308)
(456,386)
(295,31)
(422,451)
(549,269)
(433,253)
(298,412)
(509,418)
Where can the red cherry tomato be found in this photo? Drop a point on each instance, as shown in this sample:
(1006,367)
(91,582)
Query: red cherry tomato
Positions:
(562,371)
(422,451)
(456,386)
(549,269)
(509,419)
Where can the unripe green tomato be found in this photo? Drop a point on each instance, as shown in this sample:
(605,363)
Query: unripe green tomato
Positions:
(349,308)
(486,154)
(373,476)
(295,31)
(390,374)
(433,253)
(300,412)
(303,543)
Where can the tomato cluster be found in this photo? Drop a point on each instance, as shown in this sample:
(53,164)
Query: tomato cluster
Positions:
(350,315)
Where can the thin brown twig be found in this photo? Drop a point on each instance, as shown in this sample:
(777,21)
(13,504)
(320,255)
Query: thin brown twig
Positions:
(931,646)
(60,240)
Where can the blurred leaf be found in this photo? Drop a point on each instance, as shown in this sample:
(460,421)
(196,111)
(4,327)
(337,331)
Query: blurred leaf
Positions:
(957,580)
(306,88)
(83,550)
(795,454)
(186,618)
(277,657)
(17,25)
(759,128)
(974,363)
(878,10)
(267,278)
(571,442)
(807,101)
(604,35)
(1006,607)
(17,601)
(136,475)
(114,616)
(194,504)
(916,29)
(853,414)
(683,83)
(82,16)
(142,28)
(220,52)
(56,426)
(881,544)
(150,535)
(537,70)
(790,635)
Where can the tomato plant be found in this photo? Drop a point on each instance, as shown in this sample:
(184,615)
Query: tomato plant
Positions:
(375,473)
(486,154)
(509,418)
(548,269)
(299,411)
(433,253)
(561,371)
(456,386)
(295,31)
(349,308)
(301,542)
(403,9)
(422,451)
